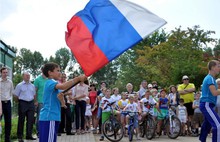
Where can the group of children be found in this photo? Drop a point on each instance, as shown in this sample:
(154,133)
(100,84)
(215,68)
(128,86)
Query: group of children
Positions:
(157,104)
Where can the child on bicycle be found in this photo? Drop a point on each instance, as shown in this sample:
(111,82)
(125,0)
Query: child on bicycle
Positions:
(163,110)
(122,104)
(181,112)
(147,104)
(132,107)
(106,110)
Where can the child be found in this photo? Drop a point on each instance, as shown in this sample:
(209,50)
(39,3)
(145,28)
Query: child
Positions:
(182,115)
(163,109)
(197,116)
(122,104)
(116,97)
(50,113)
(99,113)
(146,103)
(136,97)
(88,114)
(106,110)
(132,107)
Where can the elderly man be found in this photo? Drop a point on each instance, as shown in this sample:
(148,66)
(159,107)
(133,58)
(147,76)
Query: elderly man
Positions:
(143,88)
(25,94)
(6,87)
(186,91)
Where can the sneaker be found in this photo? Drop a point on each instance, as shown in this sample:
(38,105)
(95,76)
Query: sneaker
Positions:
(126,126)
(78,132)
(83,132)
(101,138)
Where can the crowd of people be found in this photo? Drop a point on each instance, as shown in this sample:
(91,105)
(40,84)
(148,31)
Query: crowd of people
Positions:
(84,108)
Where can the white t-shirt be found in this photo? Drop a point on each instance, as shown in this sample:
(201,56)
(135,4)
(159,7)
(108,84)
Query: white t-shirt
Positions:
(105,101)
(132,107)
(149,101)
(88,110)
(116,98)
(182,113)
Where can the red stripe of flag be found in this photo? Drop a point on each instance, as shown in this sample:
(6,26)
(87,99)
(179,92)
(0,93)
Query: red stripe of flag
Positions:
(80,41)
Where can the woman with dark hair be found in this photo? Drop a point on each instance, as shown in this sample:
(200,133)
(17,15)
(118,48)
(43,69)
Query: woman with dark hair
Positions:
(93,97)
(173,96)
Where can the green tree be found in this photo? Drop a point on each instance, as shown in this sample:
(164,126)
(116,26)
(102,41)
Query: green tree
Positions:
(62,57)
(107,74)
(26,60)
(217,50)
(181,54)
(129,71)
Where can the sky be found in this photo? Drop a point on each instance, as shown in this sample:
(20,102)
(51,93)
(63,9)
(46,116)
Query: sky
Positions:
(40,25)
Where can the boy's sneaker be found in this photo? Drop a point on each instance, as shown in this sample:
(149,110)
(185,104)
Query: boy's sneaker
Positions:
(126,126)
(101,138)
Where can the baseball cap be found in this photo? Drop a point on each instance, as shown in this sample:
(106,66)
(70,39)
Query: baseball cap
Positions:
(185,77)
(150,86)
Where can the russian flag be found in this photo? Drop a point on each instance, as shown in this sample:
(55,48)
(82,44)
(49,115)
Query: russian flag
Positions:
(104,29)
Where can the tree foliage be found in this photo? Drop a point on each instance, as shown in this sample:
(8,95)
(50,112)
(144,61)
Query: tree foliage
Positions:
(181,54)
(30,61)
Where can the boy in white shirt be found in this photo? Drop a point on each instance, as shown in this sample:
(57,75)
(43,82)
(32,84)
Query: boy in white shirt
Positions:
(132,107)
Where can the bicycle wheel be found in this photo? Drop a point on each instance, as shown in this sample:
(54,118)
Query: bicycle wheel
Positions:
(142,130)
(150,127)
(113,130)
(130,132)
(173,127)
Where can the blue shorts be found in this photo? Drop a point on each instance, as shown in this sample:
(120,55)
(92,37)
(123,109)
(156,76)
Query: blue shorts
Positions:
(48,131)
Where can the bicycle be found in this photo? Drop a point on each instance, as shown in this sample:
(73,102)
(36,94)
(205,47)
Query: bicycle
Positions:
(132,120)
(148,126)
(112,128)
(172,125)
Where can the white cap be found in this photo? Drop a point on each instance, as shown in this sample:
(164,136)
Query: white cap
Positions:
(150,85)
(185,77)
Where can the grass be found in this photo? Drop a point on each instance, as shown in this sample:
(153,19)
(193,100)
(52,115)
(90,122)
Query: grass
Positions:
(14,129)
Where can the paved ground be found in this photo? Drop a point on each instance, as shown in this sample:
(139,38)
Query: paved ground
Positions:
(89,137)
(160,139)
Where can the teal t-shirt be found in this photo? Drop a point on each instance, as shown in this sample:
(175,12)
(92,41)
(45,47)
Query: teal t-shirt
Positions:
(39,83)
(51,104)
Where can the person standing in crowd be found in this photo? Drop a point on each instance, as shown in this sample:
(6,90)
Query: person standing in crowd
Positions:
(115,96)
(65,122)
(143,88)
(163,103)
(39,83)
(129,88)
(198,116)
(6,88)
(181,113)
(50,113)
(218,98)
(208,99)
(186,91)
(103,85)
(173,97)
(92,98)
(25,94)
(80,94)
(88,115)
(155,85)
